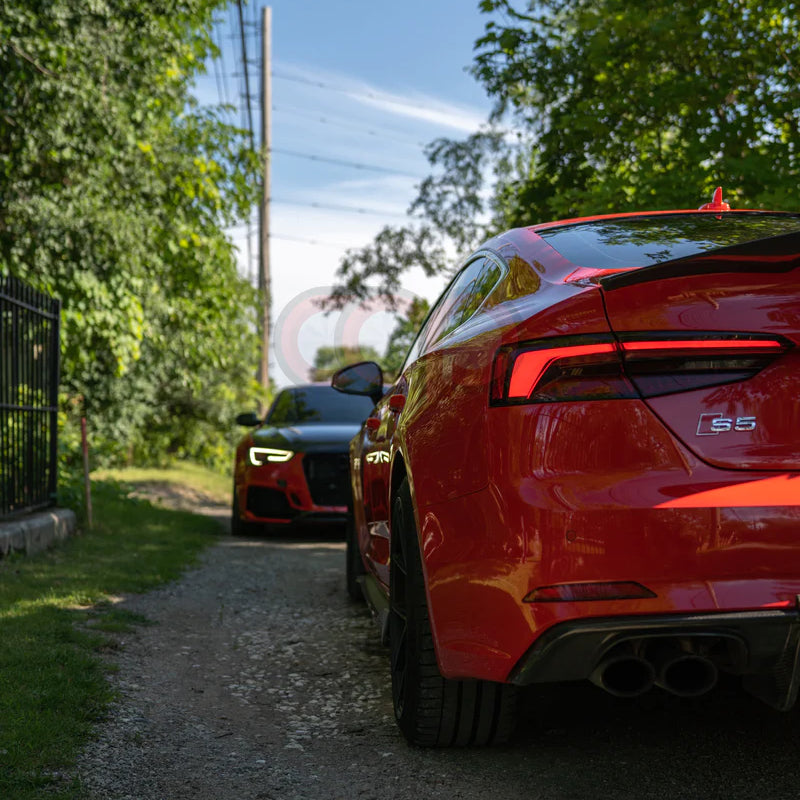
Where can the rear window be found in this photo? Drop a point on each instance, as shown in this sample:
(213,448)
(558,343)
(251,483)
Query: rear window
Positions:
(318,404)
(643,241)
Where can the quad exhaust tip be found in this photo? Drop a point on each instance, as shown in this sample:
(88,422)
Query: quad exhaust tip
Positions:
(623,674)
(683,672)
(629,671)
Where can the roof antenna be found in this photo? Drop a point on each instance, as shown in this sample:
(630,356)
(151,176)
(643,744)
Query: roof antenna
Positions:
(717,203)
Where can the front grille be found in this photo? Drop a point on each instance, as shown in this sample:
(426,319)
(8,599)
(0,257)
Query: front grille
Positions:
(270,503)
(328,478)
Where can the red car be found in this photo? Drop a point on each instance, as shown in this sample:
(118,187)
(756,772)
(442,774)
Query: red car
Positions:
(293,467)
(589,468)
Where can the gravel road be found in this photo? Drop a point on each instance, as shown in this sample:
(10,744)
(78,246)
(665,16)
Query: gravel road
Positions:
(261,680)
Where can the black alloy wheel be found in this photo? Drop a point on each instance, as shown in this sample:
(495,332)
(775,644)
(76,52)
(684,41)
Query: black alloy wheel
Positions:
(433,711)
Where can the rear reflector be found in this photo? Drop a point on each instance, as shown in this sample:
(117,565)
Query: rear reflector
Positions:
(581,592)
(598,367)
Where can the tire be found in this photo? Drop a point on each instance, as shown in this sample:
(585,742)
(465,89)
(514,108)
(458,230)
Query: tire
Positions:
(433,711)
(354,566)
(238,526)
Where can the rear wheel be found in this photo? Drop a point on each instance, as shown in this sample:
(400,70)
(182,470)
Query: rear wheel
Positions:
(433,711)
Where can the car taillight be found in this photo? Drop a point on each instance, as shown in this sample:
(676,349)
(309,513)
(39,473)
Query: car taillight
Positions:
(667,364)
(559,370)
(601,367)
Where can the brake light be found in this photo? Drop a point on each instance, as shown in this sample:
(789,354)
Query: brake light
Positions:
(752,345)
(599,367)
(668,364)
(583,592)
(531,365)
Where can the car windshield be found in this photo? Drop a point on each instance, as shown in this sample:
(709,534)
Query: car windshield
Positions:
(322,404)
(643,241)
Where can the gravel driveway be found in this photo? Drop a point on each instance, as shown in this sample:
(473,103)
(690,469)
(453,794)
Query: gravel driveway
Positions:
(261,680)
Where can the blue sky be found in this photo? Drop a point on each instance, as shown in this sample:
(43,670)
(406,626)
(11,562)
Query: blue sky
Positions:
(367,83)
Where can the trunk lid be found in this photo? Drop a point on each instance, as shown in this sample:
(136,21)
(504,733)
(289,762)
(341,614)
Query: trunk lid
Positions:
(711,343)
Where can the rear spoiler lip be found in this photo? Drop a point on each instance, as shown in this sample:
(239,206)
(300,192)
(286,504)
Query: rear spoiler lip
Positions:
(773,254)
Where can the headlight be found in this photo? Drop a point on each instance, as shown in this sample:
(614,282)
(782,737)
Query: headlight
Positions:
(260,455)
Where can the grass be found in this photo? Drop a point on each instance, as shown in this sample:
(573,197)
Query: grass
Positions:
(217,487)
(57,610)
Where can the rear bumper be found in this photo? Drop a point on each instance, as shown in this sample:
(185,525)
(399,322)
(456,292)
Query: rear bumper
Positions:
(484,554)
(762,646)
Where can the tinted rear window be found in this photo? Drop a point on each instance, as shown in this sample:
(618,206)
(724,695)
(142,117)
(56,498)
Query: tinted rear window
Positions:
(643,241)
(318,404)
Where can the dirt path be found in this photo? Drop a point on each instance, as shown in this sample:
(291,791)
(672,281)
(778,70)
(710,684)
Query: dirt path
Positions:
(261,680)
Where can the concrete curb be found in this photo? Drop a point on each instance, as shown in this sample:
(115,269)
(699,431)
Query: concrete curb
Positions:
(37,532)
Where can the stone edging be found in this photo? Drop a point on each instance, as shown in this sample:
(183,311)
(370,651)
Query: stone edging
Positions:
(36,532)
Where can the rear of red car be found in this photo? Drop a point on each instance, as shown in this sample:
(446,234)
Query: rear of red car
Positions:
(639,520)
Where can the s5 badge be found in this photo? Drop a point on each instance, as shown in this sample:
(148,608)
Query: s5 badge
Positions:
(714,424)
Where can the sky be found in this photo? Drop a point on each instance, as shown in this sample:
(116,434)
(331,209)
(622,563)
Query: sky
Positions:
(366,83)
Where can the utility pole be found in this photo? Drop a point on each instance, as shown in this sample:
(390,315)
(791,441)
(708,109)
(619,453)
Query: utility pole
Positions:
(264,278)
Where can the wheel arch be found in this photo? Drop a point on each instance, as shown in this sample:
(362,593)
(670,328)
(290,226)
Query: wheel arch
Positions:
(399,472)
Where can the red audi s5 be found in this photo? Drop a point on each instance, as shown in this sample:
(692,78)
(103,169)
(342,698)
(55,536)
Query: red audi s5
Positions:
(589,468)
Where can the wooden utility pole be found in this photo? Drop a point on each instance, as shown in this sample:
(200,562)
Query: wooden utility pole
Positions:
(264,278)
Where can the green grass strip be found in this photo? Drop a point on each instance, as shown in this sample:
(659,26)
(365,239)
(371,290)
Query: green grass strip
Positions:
(55,611)
(217,487)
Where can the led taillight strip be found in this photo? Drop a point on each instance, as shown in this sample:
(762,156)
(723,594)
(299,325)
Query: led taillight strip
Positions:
(532,364)
(530,361)
(703,344)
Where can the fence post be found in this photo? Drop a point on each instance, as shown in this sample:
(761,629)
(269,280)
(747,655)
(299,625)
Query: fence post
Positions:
(86,482)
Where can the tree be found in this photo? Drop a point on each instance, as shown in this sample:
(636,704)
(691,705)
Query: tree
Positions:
(403,335)
(604,106)
(646,105)
(328,360)
(115,190)
(450,214)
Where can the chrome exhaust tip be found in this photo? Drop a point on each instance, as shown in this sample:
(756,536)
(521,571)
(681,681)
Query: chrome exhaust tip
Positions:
(683,673)
(623,674)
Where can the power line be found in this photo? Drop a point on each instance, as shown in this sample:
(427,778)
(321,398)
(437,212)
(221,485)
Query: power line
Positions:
(342,163)
(339,207)
(322,120)
(351,92)
(246,73)
(316,242)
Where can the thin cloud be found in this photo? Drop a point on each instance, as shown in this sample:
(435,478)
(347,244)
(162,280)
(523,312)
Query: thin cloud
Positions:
(413,105)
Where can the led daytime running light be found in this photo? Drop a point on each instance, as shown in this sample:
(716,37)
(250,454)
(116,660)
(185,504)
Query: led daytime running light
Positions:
(260,455)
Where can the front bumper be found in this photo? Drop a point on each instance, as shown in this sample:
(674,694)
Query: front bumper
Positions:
(309,488)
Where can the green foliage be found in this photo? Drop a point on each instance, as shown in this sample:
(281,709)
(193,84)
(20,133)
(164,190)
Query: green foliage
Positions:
(452,211)
(403,335)
(649,106)
(115,189)
(328,360)
(602,106)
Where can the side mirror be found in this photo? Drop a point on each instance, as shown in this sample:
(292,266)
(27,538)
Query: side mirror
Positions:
(249,420)
(364,378)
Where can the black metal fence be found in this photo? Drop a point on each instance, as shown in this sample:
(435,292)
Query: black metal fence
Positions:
(29,364)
